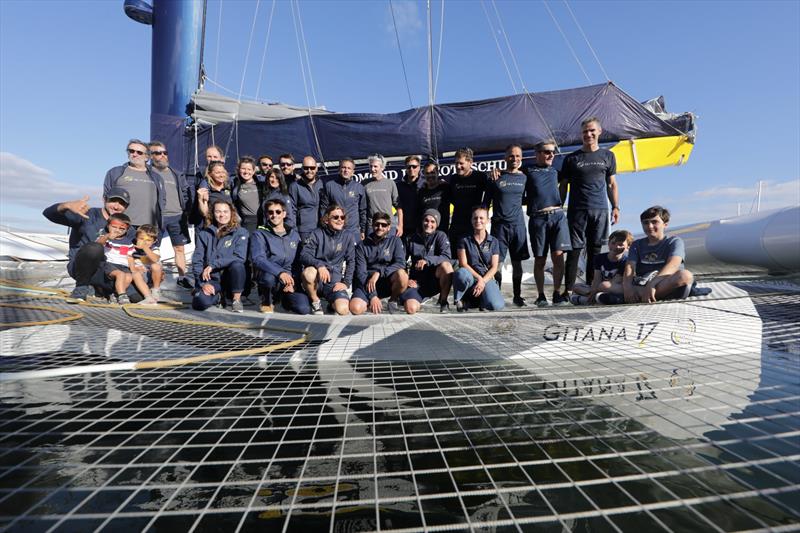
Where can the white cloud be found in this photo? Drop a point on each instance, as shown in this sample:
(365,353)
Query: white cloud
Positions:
(407,18)
(788,191)
(24,183)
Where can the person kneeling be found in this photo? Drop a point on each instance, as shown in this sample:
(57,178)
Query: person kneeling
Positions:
(478,259)
(655,268)
(380,259)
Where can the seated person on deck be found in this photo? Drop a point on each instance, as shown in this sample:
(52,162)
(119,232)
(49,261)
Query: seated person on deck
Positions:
(608,271)
(146,258)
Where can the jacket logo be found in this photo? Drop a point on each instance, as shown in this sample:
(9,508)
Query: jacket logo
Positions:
(227,244)
(351,193)
(386,253)
(126,178)
(338,247)
(292,245)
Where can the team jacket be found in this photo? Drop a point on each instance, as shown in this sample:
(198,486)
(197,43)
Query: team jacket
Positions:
(350,196)
(217,253)
(385,257)
(113,175)
(306,204)
(272,194)
(328,248)
(272,253)
(434,248)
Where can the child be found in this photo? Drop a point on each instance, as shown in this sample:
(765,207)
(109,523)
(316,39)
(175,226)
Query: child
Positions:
(608,271)
(118,248)
(146,257)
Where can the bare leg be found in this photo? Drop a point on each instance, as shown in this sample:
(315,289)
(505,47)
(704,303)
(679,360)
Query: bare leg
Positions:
(341,306)
(357,306)
(558,270)
(180,261)
(399,282)
(141,284)
(310,283)
(444,273)
(157,273)
(538,273)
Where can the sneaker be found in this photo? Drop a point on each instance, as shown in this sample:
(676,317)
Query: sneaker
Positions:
(560,299)
(266,308)
(541,301)
(460,307)
(155,294)
(316,308)
(185,282)
(122,299)
(392,307)
(607,298)
(444,307)
(82,293)
(150,300)
(519,301)
(577,299)
(237,306)
(112,299)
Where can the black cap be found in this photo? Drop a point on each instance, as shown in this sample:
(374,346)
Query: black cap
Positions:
(118,193)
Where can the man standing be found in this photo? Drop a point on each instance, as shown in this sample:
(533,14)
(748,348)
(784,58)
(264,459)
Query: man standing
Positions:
(286,166)
(467,189)
(508,221)
(349,194)
(146,189)
(176,206)
(408,191)
(264,166)
(433,195)
(382,193)
(547,224)
(590,173)
(305,195)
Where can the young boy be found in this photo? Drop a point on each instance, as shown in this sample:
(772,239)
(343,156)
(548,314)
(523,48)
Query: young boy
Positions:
(146,258)
(655,268)
(119,257)
(608,271)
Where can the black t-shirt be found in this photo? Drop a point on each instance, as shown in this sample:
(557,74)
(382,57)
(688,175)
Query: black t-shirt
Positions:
(465,193)
(436,198)
(587,174)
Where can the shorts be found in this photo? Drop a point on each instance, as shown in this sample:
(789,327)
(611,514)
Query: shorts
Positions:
(177,227)
(588,227)
(383,287)
(427,284)
(513,240)
(413,293)
(108,268)
(549,232)
(330,295)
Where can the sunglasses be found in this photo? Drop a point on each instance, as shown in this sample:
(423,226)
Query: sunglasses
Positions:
(381,225)
(547,152)
(273,212)
(309,168)
(285,164)
(412,166)
(137,152)
(336,217)
(162,152)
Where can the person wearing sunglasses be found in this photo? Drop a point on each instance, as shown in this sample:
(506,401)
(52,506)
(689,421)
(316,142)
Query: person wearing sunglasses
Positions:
(273,253)
(286,166)
(380,269)
(145,187)
(305,194)
(590,174)
(408,191)
(327,257)
(343,190)
(430,270)
(547,223)
(381,192)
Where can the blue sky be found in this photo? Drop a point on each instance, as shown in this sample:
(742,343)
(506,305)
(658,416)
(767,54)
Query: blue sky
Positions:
(75,82)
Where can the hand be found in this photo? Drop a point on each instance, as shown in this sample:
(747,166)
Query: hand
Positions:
(79,207)
(202,195)
(477,289)
(649,295)
(362,236)
(412,283)
(145,245)
(324,274)
(375,305)
(288,281)
(208,289)
(206,275)
(420,264)
(139,268)
(399,231)
(339,287)
(115,232)
(494,174)
(614,216)
(372,282)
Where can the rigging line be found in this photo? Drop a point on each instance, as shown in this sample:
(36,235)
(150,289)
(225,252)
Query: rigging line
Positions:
(264,55)
(431,96)
(202,45)
(400,49)
(566,40)
(499,49)
(580,28)
(247,54)
(305,50)
(219,33)
(439,54)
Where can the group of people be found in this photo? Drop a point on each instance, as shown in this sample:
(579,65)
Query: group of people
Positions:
(302,239)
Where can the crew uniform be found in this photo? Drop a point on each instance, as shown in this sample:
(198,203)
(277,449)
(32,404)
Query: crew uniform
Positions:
(408,193)
(547,223)
(435,250)
(215,195)
(350,196)
(273,254)
(305,199)
(276,194)
(146,190)
(385,256)
(508,222)
(177,205)
(436,198)
(382,196)
(465,193)
(226,256)
(479,257)
(325,247)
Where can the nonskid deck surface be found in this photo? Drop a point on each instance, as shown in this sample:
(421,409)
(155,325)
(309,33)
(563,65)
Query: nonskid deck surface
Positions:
(671,416)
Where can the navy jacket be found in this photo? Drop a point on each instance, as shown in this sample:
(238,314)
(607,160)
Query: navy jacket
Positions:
(217,253)
(350,196)
(272,253)
(434,248)
(384,257)
(272,194)
(328,248)
(114,174)
(306,204)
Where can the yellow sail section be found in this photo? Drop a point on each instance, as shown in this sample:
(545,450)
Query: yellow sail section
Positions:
(645,154)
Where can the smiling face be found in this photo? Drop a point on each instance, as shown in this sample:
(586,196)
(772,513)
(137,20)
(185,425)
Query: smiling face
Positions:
(222,214)
(514,158)
(381,227)
(463,166)
(336,220)
(545,155)
(429,225)
(618,247)
(480,217)
(286,165)
(219,176)
(310,168)
(375,168)
(346,170)
(246,172)
(212,154)
(276,214)
(115,206)
(590,133)
(273,180)
(654,228)
(265,164)
(137,155)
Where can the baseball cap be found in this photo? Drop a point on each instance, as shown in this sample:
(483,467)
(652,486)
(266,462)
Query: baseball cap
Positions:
(120,194)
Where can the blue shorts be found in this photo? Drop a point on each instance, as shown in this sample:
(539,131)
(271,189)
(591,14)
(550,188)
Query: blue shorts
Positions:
(330,295)
(427,284)
(549,232)
(177,227)
(588,227)
(513,240)
(383,287)
(411,293)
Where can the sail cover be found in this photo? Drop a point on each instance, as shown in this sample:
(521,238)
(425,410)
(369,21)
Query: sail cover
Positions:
(486,126)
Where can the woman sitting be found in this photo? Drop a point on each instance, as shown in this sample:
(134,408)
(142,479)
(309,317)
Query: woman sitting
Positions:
(478,259)
(219,256)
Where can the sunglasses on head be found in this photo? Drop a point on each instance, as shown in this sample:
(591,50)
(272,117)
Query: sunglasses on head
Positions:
(137,152)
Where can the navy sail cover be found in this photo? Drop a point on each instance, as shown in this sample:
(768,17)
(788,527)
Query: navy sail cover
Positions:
(486,126)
